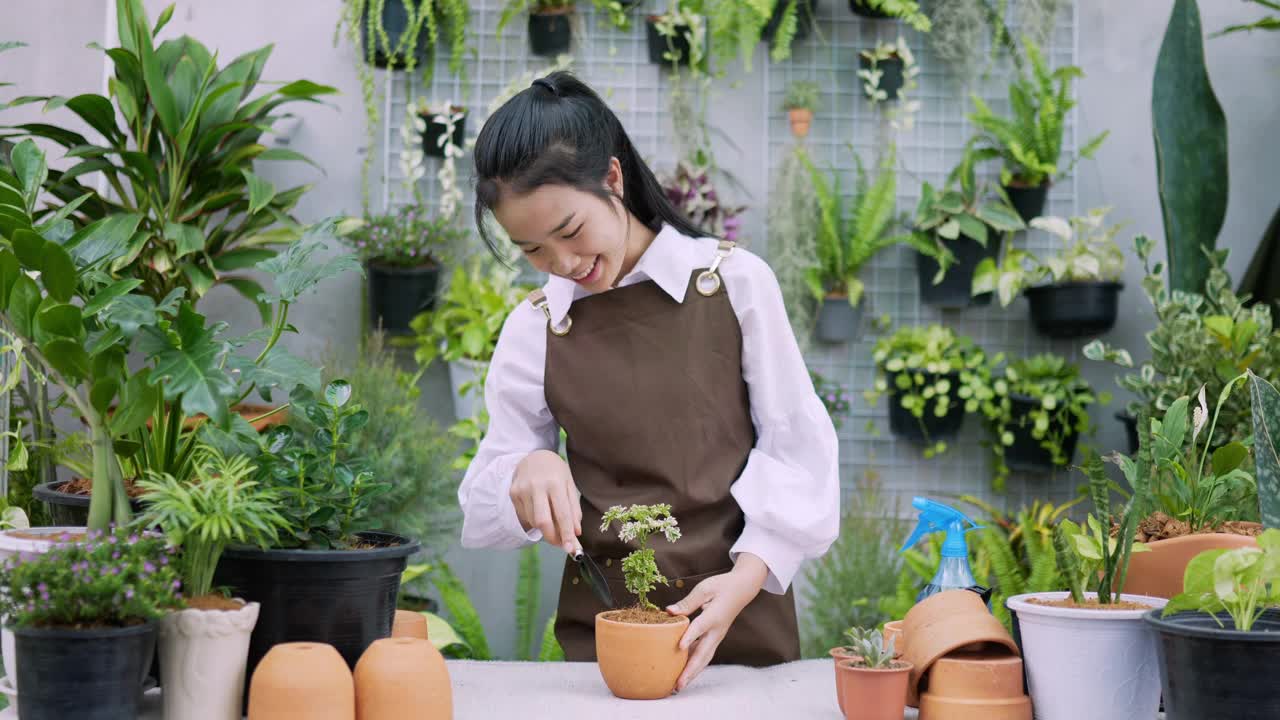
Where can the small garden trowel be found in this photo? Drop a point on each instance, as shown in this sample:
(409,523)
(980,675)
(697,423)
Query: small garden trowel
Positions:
(592,576)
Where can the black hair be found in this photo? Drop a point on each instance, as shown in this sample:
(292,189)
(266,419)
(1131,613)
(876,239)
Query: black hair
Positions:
(559,131)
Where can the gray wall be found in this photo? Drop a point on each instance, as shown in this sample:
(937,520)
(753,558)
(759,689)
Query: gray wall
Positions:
(1118,43)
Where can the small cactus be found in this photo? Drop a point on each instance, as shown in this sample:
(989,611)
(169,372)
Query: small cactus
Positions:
(869,644)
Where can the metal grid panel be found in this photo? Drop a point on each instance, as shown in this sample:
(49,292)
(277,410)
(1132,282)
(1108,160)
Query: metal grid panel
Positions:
(616,64)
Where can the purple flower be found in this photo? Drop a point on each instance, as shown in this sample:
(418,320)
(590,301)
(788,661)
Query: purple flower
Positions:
(133,539)
(147,567)
(128,593)
(111,540)
(42,588)
(176,584)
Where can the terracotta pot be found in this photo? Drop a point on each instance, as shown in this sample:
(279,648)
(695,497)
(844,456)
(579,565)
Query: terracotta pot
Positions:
(893,631)
(944,623)
(801,119)
(875,694)
(640,662)
(249,412)
(935,707)
(202,658)
(838,654)
(986,675)
(409,624)
(1159,573)
(402,677)
(302,681)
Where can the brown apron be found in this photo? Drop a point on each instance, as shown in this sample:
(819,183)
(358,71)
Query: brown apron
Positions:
(651,397)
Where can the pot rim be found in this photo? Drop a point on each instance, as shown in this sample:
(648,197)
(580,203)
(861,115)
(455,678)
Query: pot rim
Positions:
(1020,605)
(1186,539)
(62,633)
(1171,626)
(47,492)
(1104,284)
(1011,186)
(849,666)
(404,548)
(244,605)
(600,617)
(391,268)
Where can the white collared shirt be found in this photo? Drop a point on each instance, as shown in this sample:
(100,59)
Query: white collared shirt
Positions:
(789,490)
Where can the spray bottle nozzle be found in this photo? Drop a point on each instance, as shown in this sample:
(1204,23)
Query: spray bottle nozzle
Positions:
(935,516)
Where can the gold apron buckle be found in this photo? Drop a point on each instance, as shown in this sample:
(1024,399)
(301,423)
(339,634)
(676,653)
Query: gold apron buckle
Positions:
(708,282)
(538,299)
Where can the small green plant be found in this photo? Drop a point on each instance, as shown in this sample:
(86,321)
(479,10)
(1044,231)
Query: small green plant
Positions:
(684,21)
(803,95)
(1030,142)
(1090,255)
(111,580)
(1089,548)
(1241,582)
(637,523)
(833,397)
(871,76)
(1107,573)
(869,645)
(468,317)
(219,506)
(906,10)
(618,15)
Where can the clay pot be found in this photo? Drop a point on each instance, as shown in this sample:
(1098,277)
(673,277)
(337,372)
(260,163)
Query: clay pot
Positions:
(893,631)
(801,119)
(409,624)
(402,677)
(944,623)
(935,707)
(975,686)
(877,694)
(302,681)
(202,659)
(838,654)
(637,661)
(1159,573)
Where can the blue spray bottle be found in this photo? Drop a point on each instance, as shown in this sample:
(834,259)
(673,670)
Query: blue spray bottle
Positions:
(953,572)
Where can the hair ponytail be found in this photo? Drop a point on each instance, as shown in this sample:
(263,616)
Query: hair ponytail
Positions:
(559,131)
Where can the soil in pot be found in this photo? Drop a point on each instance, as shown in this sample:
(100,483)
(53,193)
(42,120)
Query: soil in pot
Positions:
(1209,672)
(550,33)
(399,294)
(1074,310)
(659,45)
(929,428)
(68,501)
(878,693)
(891,70)
(1028,200)
(639,652)
(60,665)
(858,8)
(955,290)
(435,129)
(1026,454)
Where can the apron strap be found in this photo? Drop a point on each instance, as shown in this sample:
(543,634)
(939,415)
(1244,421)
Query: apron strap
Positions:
(538,299)
(708,282)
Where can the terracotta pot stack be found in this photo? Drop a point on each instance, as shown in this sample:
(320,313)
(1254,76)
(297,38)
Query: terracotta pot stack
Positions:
(965,665)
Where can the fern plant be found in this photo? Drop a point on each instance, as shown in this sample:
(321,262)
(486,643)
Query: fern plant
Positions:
(1030,142)
(906,10)
(736,27)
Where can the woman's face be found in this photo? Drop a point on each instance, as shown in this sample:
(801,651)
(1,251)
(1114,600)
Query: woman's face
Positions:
(567,232)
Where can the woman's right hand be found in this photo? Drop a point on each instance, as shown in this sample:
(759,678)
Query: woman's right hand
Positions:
(546,498)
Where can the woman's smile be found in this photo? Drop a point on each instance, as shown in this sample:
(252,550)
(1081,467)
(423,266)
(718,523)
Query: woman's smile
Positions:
(590,274)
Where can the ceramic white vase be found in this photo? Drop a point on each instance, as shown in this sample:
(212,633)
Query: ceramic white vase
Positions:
(203,654)
(461,372)
(11,546)
(1084,663)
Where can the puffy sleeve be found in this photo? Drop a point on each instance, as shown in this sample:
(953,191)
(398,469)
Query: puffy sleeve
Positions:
(789,490)
(519,423)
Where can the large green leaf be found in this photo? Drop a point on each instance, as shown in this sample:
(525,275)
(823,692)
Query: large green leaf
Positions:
(185,238)
(1190,132)
(59,273)
(260,191)
(305,88)
(104,240)
(98,112)
(67,357)
(161,94)
(9,272)
(1266,447)
(105,296)
(55,319)
(279,369)
(295,273)
(24,298)
(29,247)
(130,313)
(30,169)
(190,369)
(137,403)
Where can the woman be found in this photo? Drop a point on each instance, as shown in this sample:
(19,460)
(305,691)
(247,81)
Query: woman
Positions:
(668,360)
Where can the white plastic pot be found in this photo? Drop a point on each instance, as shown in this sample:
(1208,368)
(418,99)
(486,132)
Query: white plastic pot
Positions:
(461,372)
(11,546)
(1088,663)
(203,654)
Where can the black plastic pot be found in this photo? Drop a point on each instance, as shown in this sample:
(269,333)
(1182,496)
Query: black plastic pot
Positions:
(1130,430)
(1074,309)
(431,136)
(838,321)
(891,70)
(955,290)
(658,45)
(69,674)
(1213,673)
(549,33)
(69,509)
(395,20)
(1026,454)
(930,428)
(398,294)
(346,598)
(857,8)
(805,13)
(1028,201)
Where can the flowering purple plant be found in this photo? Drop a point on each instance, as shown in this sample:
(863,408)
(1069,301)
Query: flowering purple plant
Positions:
(833,397)
(689,188)
(408,237)
(111,580)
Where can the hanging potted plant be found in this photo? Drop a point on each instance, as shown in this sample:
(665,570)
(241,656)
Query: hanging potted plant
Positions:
(907,11)
(872,678)
(1082,295)
(886,69)
(550,30)
(966,229)
(84,616)
(934,378)
(638,649)
(327,579)
(694,195)
(801,102)
(792,20)
(203,648)
(618,12)
(1103,630)
(1040,410)
(402,254)
(442,127)
(678,37)
(1030,142)
(848,240)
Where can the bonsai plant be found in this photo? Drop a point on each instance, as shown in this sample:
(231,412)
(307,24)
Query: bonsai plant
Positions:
(888,71)
(84,615)
(638,648)
(203,648)
(934,377)
(691,191)
(801,102)
(1101,629)
(1081,297)
(906,10)
(872,677)
(962,223)
(1030,142)
(848,240)
(550,31)
(402,253)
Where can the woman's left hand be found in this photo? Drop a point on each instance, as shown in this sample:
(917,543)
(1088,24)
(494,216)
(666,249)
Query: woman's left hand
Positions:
(721,598)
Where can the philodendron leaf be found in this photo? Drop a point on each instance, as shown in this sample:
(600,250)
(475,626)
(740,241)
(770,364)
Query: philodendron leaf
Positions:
(137,402)
(1266,447)
(295,273)
(191,369)
(279,369)
(130,312)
